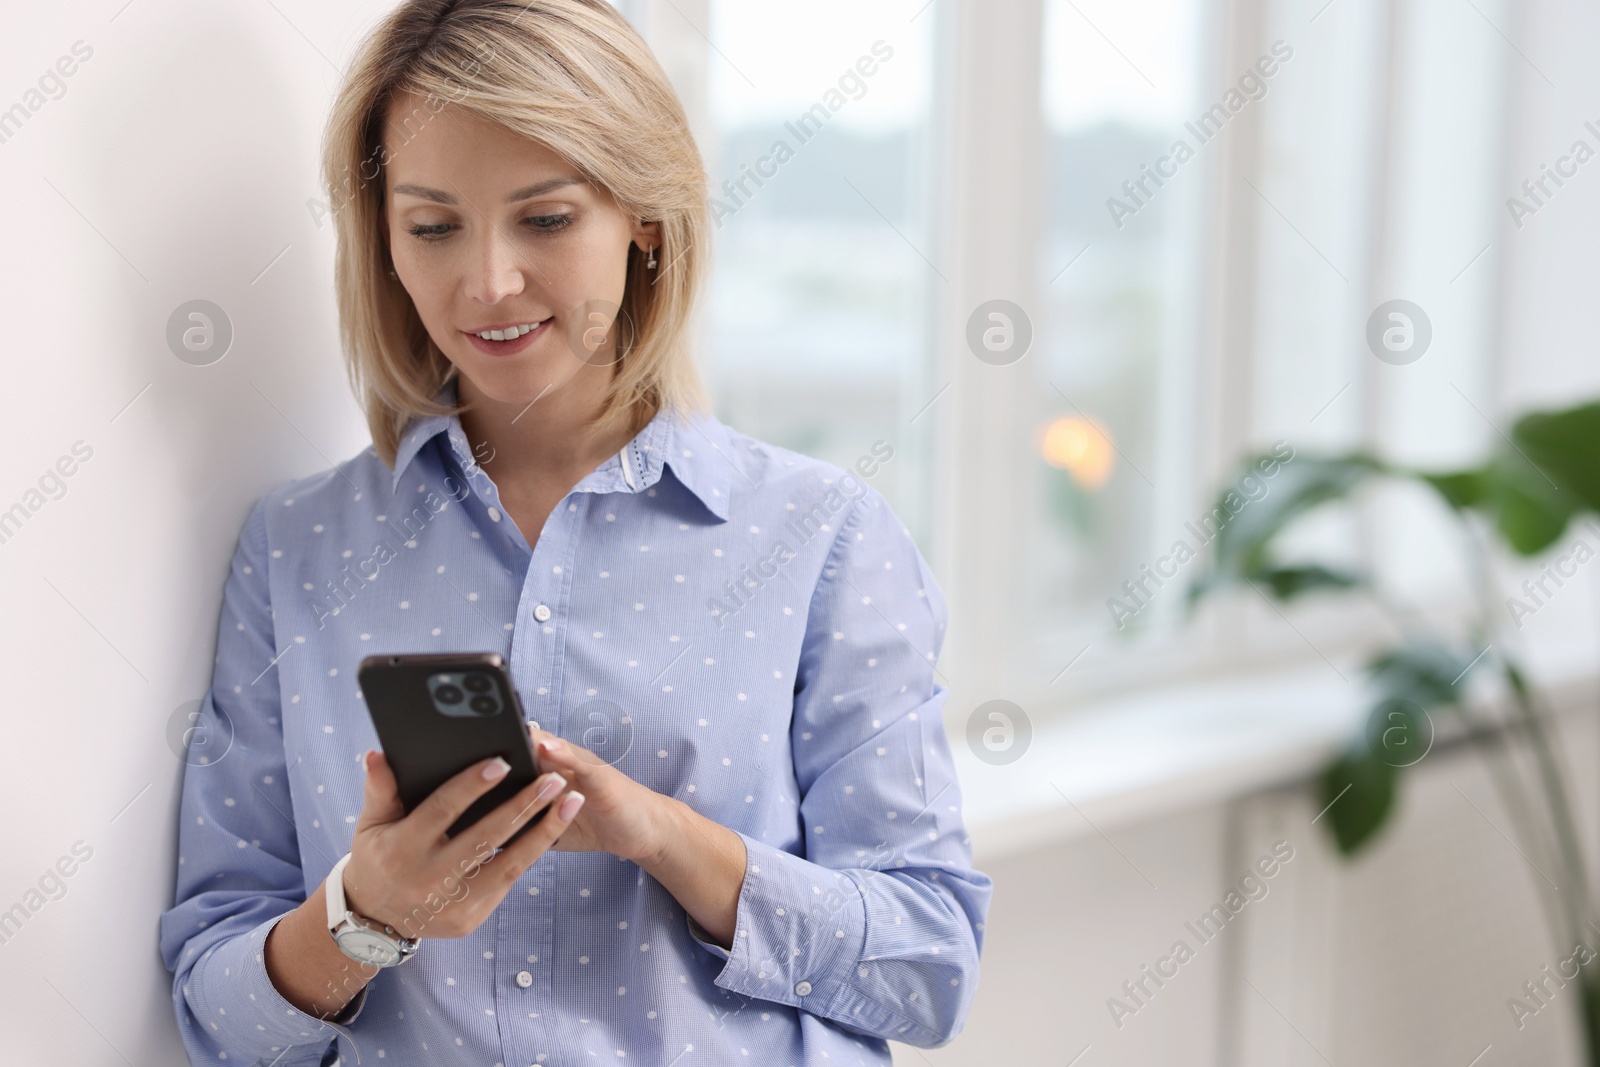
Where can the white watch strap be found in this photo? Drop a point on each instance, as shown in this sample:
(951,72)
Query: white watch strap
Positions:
(334,888)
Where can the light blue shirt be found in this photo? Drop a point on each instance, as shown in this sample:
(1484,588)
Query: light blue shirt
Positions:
(741,627)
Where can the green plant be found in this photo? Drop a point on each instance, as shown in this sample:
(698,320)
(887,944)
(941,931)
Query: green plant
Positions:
(1536,481)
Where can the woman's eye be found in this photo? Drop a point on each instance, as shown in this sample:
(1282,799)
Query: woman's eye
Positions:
(429,233)
(549,222)
(541,223)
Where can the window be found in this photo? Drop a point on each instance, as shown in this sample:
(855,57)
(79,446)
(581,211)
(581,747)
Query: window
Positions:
(1109,429)
(1188,304)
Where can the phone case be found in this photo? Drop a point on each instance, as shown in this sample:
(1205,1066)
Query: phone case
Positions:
(429,735)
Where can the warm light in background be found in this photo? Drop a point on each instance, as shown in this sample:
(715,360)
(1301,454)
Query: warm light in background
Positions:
(1081,447)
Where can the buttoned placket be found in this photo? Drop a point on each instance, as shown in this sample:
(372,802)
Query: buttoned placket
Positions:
(524,934)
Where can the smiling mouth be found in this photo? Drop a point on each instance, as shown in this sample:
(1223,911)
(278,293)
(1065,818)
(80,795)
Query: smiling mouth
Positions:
(510,339)
(509,333)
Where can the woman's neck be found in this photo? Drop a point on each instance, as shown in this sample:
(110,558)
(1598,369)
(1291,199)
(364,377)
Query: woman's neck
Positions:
(550,439)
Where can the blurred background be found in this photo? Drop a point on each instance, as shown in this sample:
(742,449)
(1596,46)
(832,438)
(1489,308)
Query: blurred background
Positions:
(1074,261)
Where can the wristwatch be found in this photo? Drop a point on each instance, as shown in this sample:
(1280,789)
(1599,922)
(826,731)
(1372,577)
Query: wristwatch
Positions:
(363,940)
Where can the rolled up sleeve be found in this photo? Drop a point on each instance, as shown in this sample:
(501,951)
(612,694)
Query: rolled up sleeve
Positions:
(239,868)
(875,919)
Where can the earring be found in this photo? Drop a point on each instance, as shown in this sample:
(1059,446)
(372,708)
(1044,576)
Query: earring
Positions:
(392,274)
(650,264)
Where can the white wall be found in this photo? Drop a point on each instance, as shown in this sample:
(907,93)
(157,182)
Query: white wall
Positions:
(1406,956)
(176,165)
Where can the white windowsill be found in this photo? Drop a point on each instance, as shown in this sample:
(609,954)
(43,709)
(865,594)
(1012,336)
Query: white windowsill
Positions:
(1176,749)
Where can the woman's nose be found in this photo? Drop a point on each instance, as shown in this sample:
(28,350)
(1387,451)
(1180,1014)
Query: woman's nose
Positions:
(497,268)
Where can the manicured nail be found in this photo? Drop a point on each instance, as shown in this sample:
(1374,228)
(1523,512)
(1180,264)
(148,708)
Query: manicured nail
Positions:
(570,806)
(548,787)
(497,769)
(550,744)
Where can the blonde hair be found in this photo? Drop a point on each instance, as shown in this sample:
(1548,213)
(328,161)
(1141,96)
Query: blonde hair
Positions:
(574,76)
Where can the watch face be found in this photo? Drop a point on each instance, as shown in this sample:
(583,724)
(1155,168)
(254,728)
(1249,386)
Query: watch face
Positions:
(365,946)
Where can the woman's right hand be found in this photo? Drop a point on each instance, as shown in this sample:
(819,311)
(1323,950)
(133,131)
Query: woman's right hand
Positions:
(405,872)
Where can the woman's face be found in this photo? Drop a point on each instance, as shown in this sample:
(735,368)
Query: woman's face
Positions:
(490,230)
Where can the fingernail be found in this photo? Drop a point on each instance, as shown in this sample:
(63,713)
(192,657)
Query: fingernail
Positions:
(570,806)
(497,769)
(549,787)
(550,744)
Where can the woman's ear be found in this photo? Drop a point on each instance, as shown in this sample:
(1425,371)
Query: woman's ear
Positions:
(647,234)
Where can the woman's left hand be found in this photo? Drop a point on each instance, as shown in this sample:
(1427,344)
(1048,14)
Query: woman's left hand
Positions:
(619,815)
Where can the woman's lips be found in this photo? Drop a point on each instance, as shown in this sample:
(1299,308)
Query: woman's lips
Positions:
(508,348)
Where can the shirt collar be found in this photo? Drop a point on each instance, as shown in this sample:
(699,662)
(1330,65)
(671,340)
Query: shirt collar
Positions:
(696,447)
(419,431)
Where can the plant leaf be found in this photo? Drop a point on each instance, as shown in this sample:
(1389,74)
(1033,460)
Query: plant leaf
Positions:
(1528,510)
(1356,793)
(1427,674)
(1563,446)
(1246,528)
(1288,582)
(1537,480)
(1460,489)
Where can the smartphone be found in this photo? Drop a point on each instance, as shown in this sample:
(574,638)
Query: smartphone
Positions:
(436,714)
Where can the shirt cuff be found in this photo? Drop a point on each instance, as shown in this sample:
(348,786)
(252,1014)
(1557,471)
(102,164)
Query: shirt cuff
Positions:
(236,996)
(798,931)
(703,936)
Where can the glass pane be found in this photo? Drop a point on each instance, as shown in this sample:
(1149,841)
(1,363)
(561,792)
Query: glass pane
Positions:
(1440,411)
(1341,234)
(1311,190)
(814,333)
(1110,408)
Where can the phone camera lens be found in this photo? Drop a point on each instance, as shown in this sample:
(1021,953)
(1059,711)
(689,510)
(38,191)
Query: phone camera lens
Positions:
(477,683)
(484,705)
(447,694)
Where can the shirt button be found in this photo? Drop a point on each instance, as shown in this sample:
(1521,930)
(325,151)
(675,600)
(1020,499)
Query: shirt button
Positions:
(802,989)
(524,979)
(542,613)
(494,513)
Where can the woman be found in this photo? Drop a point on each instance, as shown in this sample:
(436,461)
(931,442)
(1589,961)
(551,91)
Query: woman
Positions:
(752,848)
